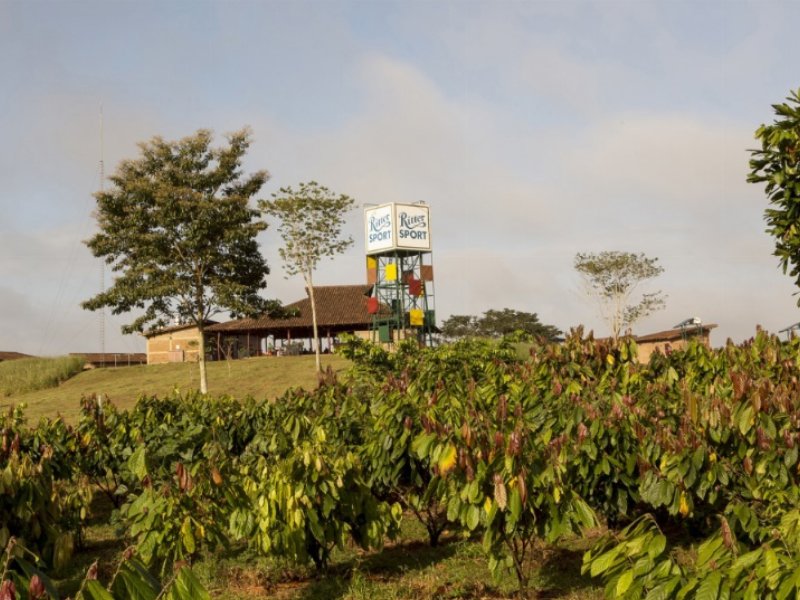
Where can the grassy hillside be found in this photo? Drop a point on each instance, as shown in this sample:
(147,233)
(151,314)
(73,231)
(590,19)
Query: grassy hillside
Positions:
(31,374)
(265,377)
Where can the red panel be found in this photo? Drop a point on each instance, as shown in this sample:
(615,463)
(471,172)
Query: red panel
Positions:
(372,305)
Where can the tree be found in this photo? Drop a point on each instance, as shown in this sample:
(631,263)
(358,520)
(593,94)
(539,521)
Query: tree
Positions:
(178,229)
(460,326)
(499,323)
(611,278)
(777,164)
(311,220)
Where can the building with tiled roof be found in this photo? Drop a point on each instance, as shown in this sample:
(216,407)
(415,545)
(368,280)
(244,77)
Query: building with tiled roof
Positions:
(97,360)
(676,338)
(340,309)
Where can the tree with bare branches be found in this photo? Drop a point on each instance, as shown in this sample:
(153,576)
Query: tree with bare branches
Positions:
(612,277)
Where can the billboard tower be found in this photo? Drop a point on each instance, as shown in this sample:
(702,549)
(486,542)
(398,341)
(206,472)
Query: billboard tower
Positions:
(398,248)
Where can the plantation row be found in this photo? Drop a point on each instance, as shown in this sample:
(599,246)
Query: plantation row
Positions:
(691,460)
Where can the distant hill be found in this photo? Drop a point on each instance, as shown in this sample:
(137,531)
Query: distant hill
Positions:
(12,355)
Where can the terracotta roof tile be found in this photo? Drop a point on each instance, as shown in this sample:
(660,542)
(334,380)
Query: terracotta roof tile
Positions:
(172,328)
(674,334)
(337,306)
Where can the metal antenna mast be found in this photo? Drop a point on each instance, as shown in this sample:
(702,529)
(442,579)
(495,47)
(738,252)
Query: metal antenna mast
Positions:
(102,262)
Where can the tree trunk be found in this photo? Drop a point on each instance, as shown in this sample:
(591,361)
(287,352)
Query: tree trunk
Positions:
(619,310)
(314,321)
(201,360)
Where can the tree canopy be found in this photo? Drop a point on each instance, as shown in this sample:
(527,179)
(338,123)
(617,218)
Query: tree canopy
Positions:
(499,323)
(178,230)
(777,164)
(612,277)
(311,220)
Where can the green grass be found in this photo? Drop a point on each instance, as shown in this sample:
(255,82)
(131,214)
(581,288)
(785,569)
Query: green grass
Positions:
(264,377)
(31,374)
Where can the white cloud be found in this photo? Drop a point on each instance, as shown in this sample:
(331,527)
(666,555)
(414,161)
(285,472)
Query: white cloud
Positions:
(506,229)
(514,192)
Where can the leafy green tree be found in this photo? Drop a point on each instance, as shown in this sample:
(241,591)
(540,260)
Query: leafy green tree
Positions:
(497,324)
(460,326)
(311,219)
(178,229)
(612,277)
(501,323)
(777,164)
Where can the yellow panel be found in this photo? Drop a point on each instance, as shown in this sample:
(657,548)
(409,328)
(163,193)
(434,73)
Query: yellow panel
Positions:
(372,263)
(416,317)
(391,272)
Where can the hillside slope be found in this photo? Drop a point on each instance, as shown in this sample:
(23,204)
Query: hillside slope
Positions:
(265,377)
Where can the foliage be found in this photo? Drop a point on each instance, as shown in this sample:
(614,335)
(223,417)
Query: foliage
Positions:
(691,460)
(23,571)
(611,278)
(132,580)
(459,326)
(306,482)
(311,219)
(696,438)
(592,387)
(31,510)
(178,230)
(30,374)
(636,564)
(776,165)
(23,574)
(181,482)
(396,472)
(404,385)
(720,453)
(104,440)
(463,439)
(172,519)
(514,324)
(495,445)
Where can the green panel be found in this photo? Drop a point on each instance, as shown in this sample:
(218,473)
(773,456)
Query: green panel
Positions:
(384,334)
(430,318)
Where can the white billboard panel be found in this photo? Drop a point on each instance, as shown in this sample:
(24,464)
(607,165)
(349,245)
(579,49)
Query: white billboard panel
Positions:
(379,230)
(413,226)
(397,227)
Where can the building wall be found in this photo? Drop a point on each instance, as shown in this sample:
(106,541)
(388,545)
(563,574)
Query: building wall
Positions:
(174,346)
(372,336)
(645,349)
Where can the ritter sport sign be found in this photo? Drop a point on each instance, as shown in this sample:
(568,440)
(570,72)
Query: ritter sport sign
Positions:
(397,227)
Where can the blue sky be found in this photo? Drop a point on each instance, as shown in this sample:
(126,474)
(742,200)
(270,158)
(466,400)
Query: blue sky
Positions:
(534,130)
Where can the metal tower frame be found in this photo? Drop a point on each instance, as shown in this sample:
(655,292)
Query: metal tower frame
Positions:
(394,270)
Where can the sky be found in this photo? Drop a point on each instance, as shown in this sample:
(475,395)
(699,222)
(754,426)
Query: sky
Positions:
(533,130)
